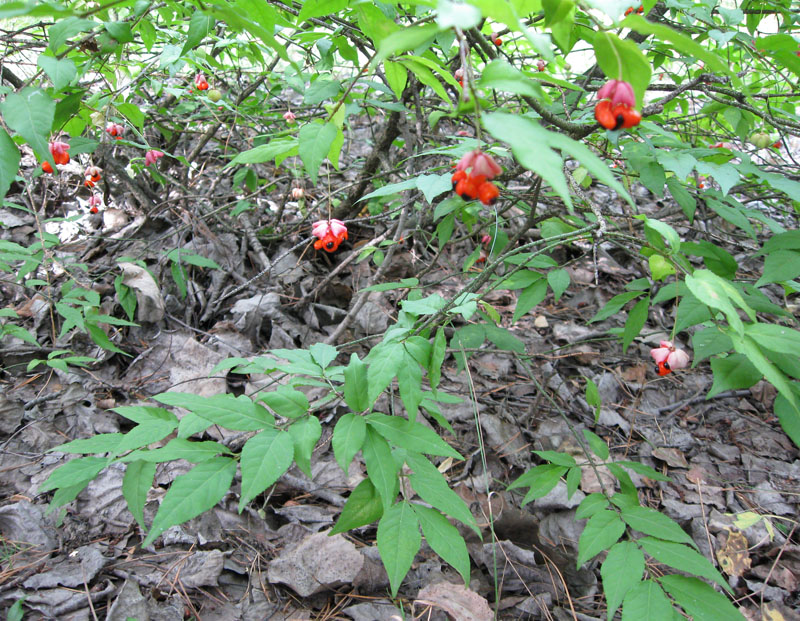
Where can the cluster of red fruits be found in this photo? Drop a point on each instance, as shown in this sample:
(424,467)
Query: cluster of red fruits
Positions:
(200,82)
(616,106)
(476,183)
(60,152)
(115,130)
(329,234)
(630,10)
(92,176)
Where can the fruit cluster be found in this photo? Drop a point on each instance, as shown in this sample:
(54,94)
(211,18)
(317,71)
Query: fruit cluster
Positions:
(476,183)
(60,152)
(616,106)
(329,234)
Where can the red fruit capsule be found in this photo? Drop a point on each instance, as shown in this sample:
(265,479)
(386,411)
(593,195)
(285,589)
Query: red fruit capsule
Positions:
(47,168)
(662,368)
(488,193)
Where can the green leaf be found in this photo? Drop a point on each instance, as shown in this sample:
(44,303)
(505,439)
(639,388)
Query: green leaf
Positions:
(265,457)
(315,142)
(432,487)
(237,413)
(409,382)
(438,352)
(646,600)
(779,266)
(636,320)
(444,539)
(682,197)
(774,337)
(381,467)
(179,448)
(191,494)
(530,297)
(708,342)
(146,433)
(623,60)
(644,470)
(621,571)
(30,113)
(602,531)
(651,522)
(9,163)
(421,68)
(501,76)
(411,435)
(614,305)
(683,558)
(398,541)
(286,401)
(120,31)
(540,479)
(383,367)
(520,133)
(363,507)
(789,418)
(716,292)
(101,443)
(16,612)
(306,433)
(136,482)
(405,283)
(323,354)
(355,385)
(596,444)
(64,29)
(200,25)
(192,424)
(590,505)
(699,600)
(133,113)
(731,373)
(679,41)
(405,39)
(348,438)
(776,377)
(396,76)
(432,186)
(320,8)
(266,152)
(61,72)
(391,189)
(554,457)
(74,472)
(316,93)
(559,281)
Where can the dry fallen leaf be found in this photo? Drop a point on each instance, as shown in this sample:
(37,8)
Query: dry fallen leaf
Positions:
(149,301)
(672,456)
(456,600)
(734,557)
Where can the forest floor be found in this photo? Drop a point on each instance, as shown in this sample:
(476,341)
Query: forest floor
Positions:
(734,475)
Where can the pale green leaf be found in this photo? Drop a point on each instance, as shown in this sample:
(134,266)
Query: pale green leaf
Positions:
(602,531)
(348,438)
(621,571)
(136,482)
(444,539)
(191,494)
(399,541)
(315,143)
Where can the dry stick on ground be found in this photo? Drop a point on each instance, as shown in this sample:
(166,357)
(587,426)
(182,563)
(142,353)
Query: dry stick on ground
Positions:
(390,132)
(362,298)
